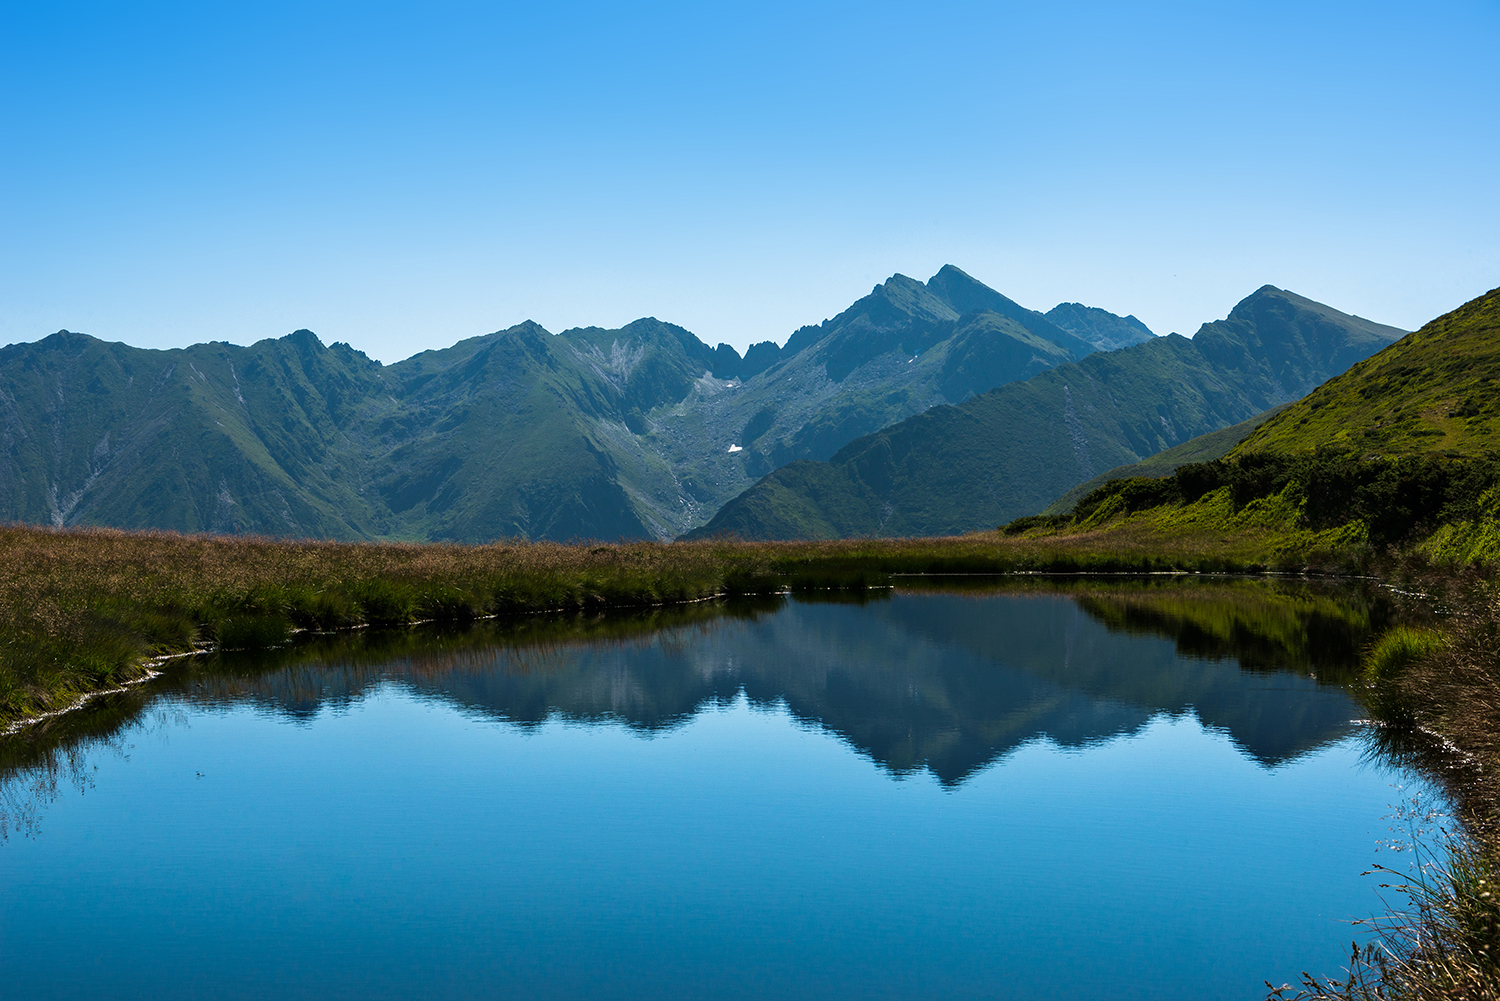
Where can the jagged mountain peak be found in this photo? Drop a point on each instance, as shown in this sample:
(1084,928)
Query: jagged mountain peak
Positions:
(964,293)
(1290,332)
(1271,297)
(1105,330)
(901,301)
(1011,450)
(59,339)
(908,297)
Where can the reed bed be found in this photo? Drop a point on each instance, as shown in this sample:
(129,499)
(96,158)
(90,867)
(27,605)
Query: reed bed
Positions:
(88,609)
(83,610)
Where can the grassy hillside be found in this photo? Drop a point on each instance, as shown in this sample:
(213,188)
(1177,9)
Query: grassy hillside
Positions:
(1436,391)
(1372,459)
(1013,450)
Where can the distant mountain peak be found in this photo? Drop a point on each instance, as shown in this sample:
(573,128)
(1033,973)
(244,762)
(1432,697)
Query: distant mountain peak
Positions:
(898,280)
(1101,328)
(66,335)
(1011,450)
(303,337)
(950,278)
(967,294)
(911,298)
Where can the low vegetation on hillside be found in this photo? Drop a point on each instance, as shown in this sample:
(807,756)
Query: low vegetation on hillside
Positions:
(1434,392)
(1204,448)
(1327,508)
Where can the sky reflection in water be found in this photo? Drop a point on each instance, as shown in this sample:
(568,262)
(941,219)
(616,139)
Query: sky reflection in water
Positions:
(1076,811)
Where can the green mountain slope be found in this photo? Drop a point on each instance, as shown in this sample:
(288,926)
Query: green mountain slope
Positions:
(501,435)
(902,349)
(1009,452)
(1434,391)
(639,432)
(495,436)
(1204,448)
(208,438)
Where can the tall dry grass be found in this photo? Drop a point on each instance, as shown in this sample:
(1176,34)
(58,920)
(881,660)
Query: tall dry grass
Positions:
(85,609)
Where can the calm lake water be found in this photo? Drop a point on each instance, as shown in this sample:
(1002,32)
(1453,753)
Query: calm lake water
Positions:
(1098,793)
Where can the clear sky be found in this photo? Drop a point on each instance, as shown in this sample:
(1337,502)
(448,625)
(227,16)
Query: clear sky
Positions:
(400,176)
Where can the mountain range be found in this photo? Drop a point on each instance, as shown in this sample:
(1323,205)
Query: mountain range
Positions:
(883,420)
(1011,451)
(639,432)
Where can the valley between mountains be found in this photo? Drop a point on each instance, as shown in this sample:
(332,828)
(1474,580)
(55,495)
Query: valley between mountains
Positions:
(924,408)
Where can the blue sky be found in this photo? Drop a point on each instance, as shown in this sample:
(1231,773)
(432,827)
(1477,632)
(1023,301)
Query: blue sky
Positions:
(400,176)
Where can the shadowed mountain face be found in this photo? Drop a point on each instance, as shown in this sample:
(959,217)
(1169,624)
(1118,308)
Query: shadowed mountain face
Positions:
(943,682)
(1204,448)
(639,432)
(1011,451)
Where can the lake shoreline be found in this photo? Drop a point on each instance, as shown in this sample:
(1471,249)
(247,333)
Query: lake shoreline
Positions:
(88,610)
(221,594)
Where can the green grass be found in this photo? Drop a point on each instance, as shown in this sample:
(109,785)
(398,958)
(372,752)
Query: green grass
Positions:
(1322,509)
(1435,391)
(1400,648)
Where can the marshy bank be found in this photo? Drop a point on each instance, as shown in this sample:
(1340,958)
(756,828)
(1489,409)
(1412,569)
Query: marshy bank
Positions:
(1432,684)
(86,610)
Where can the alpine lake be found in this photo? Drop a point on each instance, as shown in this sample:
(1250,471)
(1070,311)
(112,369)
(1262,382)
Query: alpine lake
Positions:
(959,788)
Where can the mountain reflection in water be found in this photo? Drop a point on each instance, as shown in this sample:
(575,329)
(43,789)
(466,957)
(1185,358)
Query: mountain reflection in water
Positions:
(947,682)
